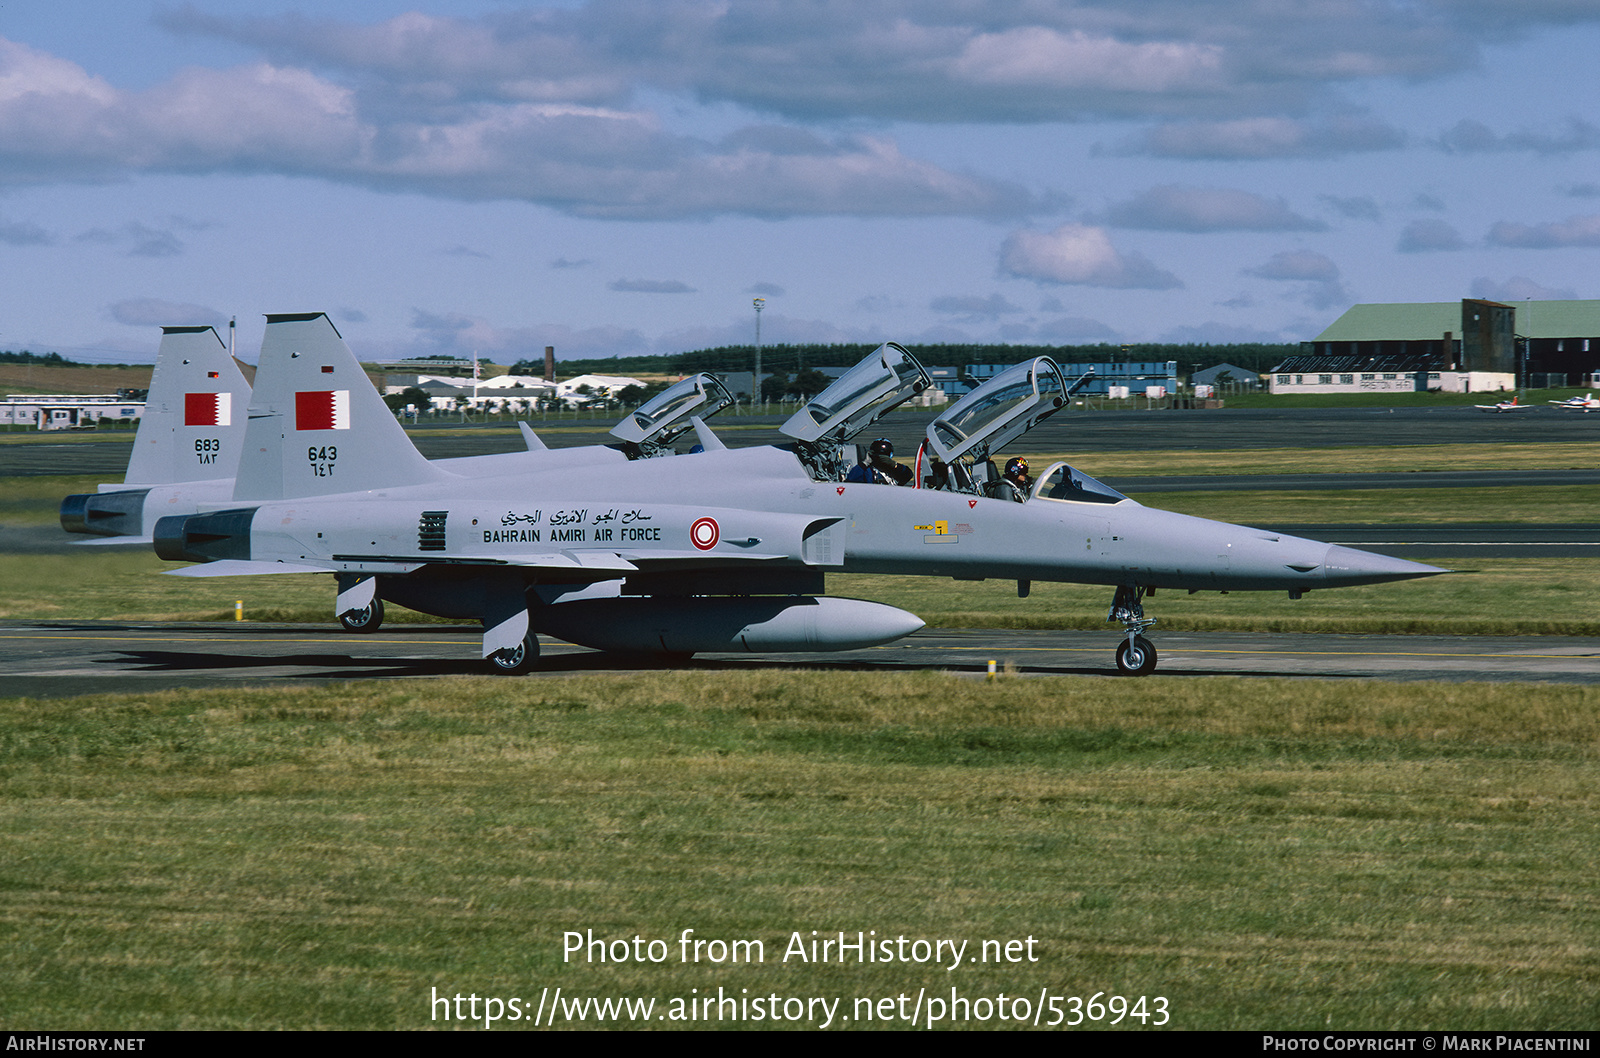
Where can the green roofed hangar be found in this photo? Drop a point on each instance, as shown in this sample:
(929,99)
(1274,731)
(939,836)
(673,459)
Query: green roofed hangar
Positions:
(1470,346)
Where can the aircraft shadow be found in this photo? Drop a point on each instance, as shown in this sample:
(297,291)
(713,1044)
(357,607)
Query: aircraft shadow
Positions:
(335,666)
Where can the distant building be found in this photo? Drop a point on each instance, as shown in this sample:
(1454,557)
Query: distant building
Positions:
(1140,377)
(1235,375)
(1467,346)
(67,411)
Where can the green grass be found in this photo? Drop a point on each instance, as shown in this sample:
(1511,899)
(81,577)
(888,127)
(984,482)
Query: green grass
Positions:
(1558,455)
(1536,397)
(1522,596)
(1283,854)
(1535,505)
(1498,597)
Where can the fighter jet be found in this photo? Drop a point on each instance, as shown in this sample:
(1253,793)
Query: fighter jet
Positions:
(723,550)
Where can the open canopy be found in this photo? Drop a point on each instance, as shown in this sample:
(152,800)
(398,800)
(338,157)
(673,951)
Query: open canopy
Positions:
(666,415)
(887,378)
(999,411)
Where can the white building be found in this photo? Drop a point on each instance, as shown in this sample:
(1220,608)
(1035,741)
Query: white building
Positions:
(67,411)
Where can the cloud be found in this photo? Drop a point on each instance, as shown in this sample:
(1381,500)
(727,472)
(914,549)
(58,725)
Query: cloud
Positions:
(1519,288)
(154,312)
(141,240)
(455,334)
(1079,254)
(1072,330)
(876,304)
(1359,207)
(1266,137)
(464,251)
(1421,236)
(563,263)
(1574,231)
(651,286)
(1213,333)
(1323,287)
(1583,190)
(1473,137)
(775,329)
(580,159)
(766,290)
(1208,209)
(23,233)
(889,60)
(973,307)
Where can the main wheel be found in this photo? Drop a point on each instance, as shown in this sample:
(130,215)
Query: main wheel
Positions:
(367,619)
(1137,659)
(524,657)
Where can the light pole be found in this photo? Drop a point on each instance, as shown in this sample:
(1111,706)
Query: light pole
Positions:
(760,304)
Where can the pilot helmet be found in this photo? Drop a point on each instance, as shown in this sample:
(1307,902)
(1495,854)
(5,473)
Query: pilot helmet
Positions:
(881,450)
(1016,467)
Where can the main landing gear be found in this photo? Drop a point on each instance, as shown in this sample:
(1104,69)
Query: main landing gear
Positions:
(367,619)
(517,660)
(1135,656)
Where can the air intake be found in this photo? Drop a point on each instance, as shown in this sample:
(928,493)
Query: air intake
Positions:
(430,532)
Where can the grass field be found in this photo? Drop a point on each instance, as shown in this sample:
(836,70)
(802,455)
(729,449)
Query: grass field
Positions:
(1283,854)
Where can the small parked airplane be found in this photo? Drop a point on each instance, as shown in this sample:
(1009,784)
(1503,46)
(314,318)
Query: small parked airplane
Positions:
(1587,402)
(1505,405)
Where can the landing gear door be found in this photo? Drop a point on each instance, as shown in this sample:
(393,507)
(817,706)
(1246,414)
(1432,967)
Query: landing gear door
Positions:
(999,411)
(666,415)
(883,381)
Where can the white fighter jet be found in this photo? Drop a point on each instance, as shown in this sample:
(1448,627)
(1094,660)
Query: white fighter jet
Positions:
(720,550)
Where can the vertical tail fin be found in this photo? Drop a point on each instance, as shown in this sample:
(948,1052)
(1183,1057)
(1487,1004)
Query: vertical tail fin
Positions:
(193,424)
(317,426)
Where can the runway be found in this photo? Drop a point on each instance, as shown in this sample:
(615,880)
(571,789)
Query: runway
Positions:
(63,659)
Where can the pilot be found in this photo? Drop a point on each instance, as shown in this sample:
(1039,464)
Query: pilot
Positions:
(880,467)
(1016,482)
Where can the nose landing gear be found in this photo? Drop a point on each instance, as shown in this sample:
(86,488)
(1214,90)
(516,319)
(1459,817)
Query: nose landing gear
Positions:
(1135,655)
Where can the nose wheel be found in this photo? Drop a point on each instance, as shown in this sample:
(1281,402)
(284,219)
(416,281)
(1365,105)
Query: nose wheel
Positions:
(1135,656)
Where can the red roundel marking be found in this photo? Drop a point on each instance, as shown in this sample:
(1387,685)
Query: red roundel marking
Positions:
(704,534)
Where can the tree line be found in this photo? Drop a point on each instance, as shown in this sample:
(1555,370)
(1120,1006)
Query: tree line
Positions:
(792,359)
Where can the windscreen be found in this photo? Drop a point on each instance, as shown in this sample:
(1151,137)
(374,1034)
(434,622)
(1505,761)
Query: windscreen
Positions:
(1062,482)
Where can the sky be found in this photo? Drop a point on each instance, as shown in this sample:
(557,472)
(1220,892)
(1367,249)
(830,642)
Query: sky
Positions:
(623,177)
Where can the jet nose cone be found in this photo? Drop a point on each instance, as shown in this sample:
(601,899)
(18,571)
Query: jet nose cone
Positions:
(1346,565)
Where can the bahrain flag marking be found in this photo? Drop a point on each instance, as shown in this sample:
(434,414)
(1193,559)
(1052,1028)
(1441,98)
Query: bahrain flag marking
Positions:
(208,409)
(322,410)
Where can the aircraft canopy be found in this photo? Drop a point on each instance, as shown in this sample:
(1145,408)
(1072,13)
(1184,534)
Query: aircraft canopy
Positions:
(999,411)
(887,378)
(666,415)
